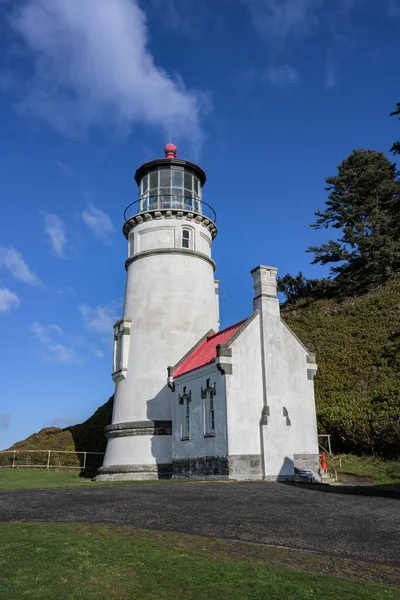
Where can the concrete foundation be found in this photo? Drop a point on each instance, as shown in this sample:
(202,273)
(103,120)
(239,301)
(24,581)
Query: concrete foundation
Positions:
(134,472)
(246,466)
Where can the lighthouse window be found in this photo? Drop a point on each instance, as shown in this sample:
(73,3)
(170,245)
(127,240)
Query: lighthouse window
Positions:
(145,184)
(186,238)
(154,181)
(177,179)
(121,349)
(165,175)
(131,245)
(188,181)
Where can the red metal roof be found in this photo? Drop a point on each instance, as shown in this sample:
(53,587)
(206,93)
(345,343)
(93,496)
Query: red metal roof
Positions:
(206,353)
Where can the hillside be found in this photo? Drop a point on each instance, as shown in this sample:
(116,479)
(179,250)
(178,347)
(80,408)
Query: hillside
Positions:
(357,342)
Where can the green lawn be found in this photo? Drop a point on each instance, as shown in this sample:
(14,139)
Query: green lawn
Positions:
(26,479)
(371,469)
(84,562)
(31,479)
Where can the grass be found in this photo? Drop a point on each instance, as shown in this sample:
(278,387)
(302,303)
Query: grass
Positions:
(33,479)
(385,473)
(43,561)
(366,469)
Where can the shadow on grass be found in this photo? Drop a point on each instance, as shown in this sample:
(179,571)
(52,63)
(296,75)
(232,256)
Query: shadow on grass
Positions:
(354,490)
(88,474)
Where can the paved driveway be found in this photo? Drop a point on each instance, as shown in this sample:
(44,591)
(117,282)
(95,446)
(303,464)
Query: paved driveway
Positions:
(304,516)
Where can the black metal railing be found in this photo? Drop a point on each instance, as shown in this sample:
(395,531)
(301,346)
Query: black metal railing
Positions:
(170,202)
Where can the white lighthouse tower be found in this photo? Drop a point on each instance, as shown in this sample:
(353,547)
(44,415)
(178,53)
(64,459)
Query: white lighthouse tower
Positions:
(171,301)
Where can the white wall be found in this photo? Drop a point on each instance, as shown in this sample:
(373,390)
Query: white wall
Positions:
(138,450)
(167,233)
(245,392)
(286,385)
(171,301)
(198,444)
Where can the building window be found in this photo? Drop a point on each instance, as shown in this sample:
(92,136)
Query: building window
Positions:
(208,394)
(186,238)
(184,401)
(211,415)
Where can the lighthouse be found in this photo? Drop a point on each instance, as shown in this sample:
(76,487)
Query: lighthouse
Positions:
(171,301)
(191,400)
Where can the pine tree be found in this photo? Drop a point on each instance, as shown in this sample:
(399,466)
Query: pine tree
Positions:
(396,146)
(363,203)
(294,288)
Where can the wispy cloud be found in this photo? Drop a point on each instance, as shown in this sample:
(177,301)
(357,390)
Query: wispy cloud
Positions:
(98,353)
(8,300)
(100,318)
(91,66)
(61,421)
(330,71)
(5,420)
(393,9)
(52,350)
(191,17)
(55,230)
(65,169)
(279,20)
(13,261)
(98,221)
(282,76)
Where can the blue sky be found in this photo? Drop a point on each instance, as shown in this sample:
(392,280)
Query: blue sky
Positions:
(267,95)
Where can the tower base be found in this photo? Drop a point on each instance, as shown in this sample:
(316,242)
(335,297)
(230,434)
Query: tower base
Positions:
(134,472)
(137,451)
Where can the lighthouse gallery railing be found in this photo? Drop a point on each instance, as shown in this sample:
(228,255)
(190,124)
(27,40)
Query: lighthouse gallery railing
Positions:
(170,202)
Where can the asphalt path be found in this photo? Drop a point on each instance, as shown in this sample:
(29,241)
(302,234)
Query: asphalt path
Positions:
(352,522)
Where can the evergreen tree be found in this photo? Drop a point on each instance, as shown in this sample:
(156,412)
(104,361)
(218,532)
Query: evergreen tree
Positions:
(396,146)
(363,203)
(299,287)
(294,288)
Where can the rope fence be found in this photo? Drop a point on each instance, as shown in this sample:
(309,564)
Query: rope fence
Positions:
(51,459)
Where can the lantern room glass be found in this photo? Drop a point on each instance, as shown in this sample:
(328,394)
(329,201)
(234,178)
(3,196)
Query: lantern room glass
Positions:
(170,187)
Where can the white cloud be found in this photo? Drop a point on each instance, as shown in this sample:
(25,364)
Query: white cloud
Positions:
(13,261)
(98,353)
(98,221)
(53,350)
(61,354)
(92,66)
(61,422)
(101,318)
(282,76)
(393,9)
(280,20)
(45,333)
(55,229)
(5,420)
(8,300)
(65,169)
(330,71)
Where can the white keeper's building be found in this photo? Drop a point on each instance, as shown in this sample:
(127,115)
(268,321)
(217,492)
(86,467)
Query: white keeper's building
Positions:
(190,400)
